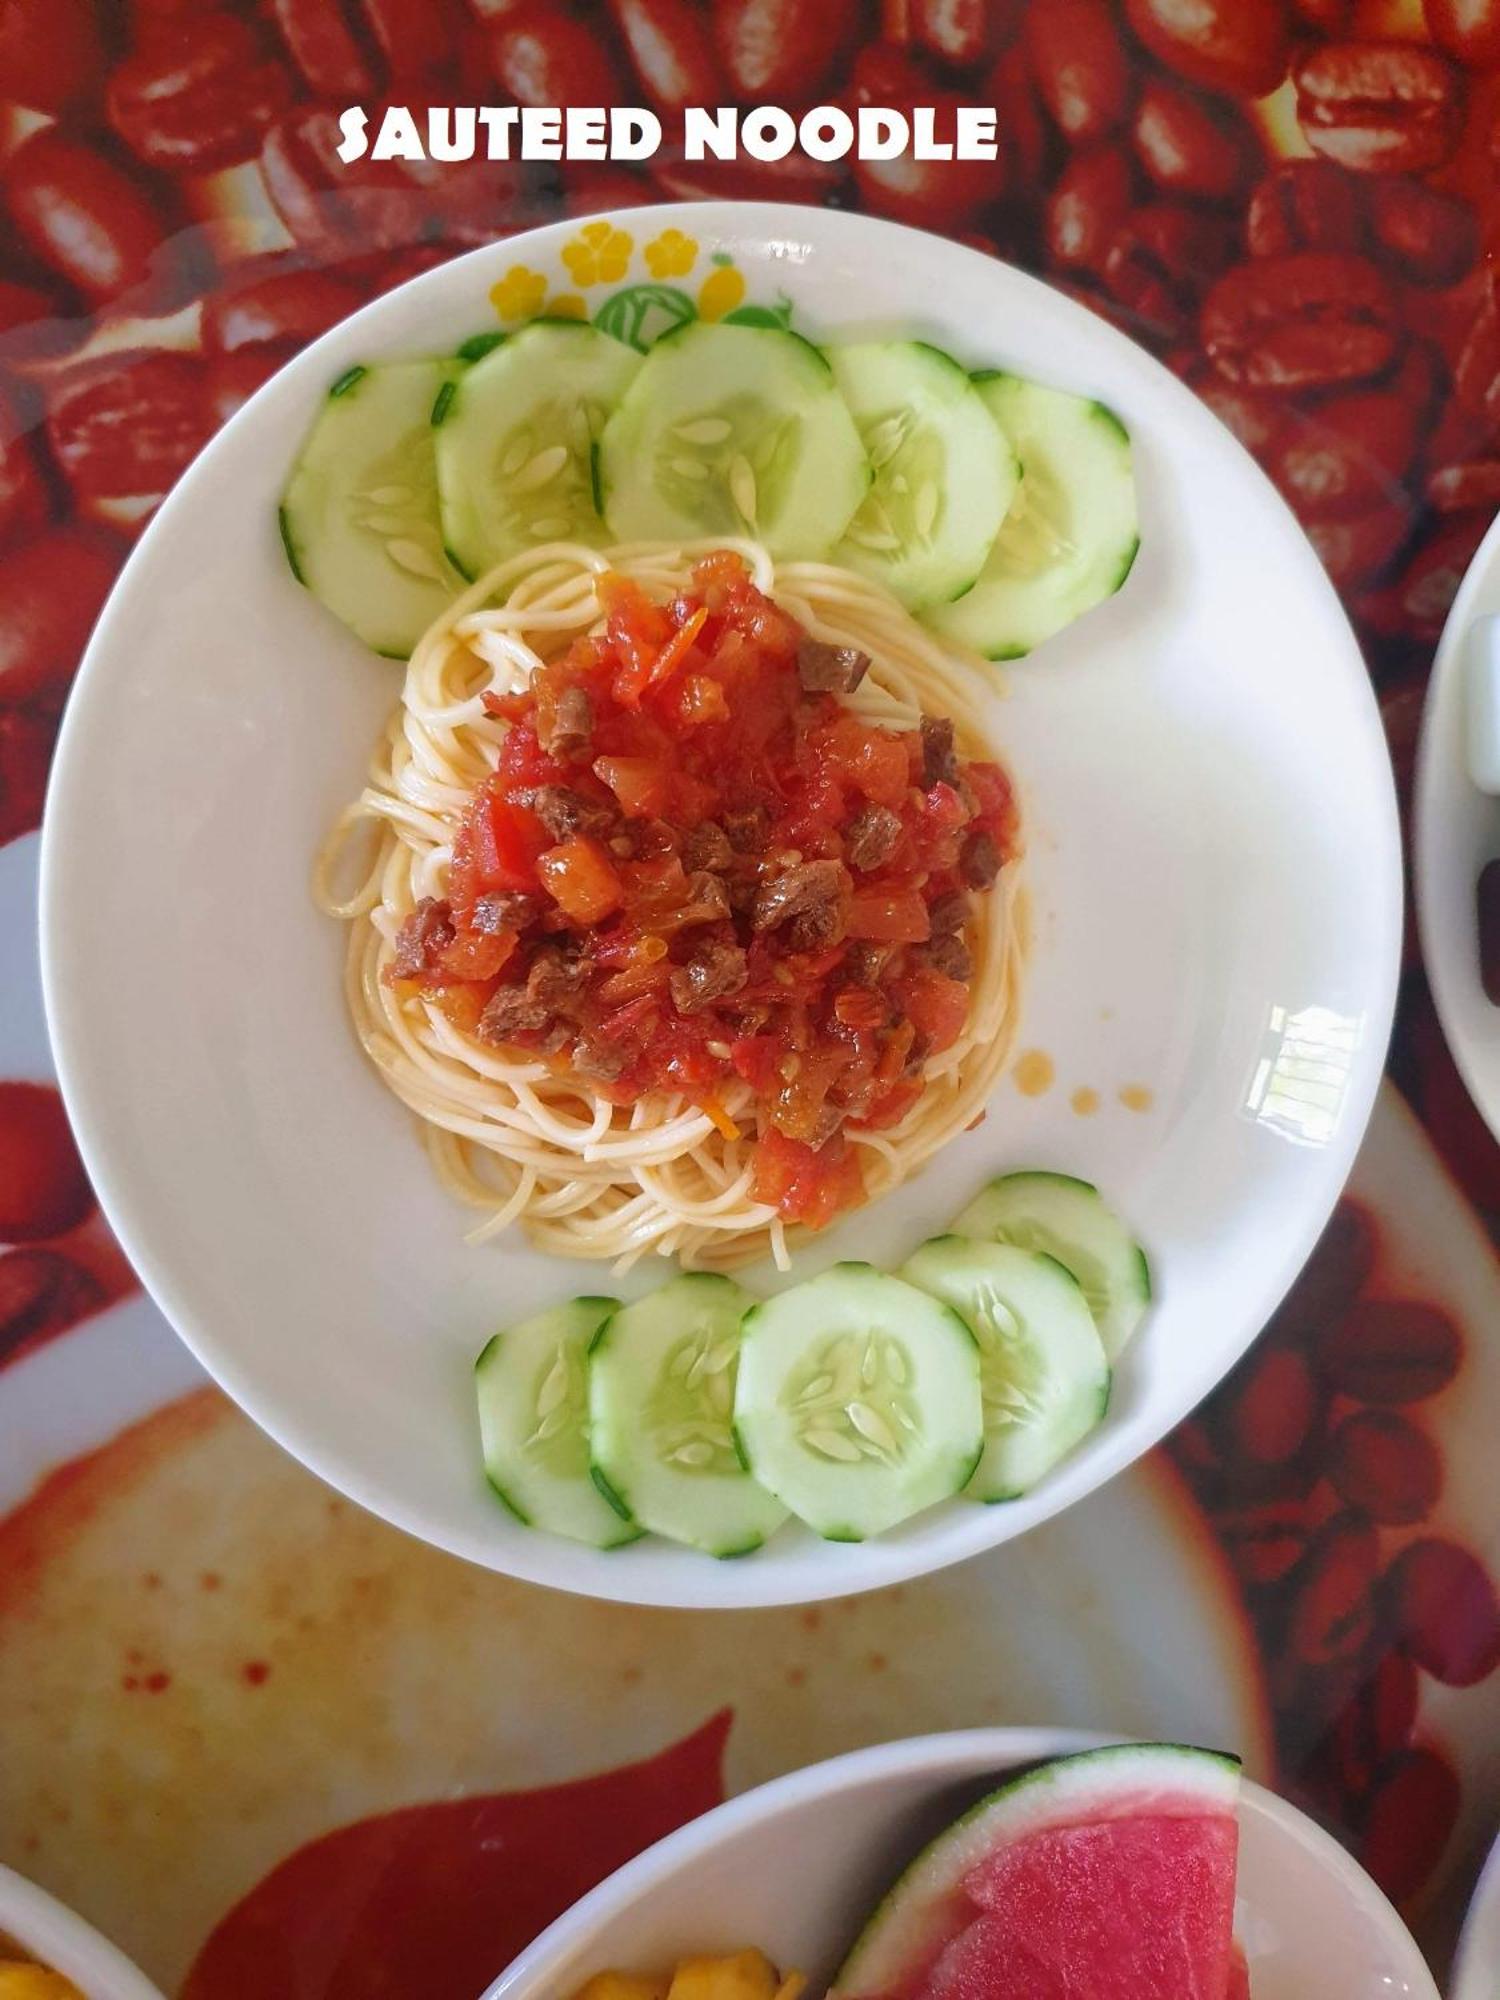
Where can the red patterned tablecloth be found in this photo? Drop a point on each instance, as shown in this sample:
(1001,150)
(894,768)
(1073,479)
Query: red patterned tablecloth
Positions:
(1292,202)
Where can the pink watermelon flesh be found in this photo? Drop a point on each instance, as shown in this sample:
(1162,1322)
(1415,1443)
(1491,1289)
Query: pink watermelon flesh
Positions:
(1138,1908)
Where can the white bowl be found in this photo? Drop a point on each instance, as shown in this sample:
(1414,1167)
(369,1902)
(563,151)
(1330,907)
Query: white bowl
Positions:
(1455,831)
(1213,862)
(1476,1964)
(55,1937)
(797,1865)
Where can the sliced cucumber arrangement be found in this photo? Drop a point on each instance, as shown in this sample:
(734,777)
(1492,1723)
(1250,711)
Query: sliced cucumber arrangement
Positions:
(1072,532)
(733,430)
(943,472)
(515,441)
(1069,1219)
(662,1377)
(359,517)
(858,1401)
(532,1382)
(1043,1373)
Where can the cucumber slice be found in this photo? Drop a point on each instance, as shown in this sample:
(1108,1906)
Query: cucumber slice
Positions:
(515,441)
(1042,1368)
(532,1384)
(1072,532)
(359,517)
(944,473)
(733,430)
(1069,1220)
(661,1403)
(858,1401)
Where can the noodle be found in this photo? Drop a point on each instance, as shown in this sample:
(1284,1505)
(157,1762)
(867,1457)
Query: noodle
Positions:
(506,1133)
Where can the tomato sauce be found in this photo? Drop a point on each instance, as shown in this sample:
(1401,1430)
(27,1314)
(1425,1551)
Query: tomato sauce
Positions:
(696,865)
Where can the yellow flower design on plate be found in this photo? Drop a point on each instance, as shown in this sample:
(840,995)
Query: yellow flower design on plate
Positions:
(671,255)
(520,294)
(567,305)
(721,291)
(598,255)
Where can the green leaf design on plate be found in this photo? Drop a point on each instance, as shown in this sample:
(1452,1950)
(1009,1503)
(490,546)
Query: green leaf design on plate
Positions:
(778,316)
(641,314)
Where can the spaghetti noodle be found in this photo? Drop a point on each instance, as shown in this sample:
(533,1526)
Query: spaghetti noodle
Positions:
(522,1138)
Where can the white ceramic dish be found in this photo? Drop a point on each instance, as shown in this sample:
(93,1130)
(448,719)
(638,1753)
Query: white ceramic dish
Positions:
(1476,1964)
(796,1866)
(1455,831)
(55,1937)
(1206,926)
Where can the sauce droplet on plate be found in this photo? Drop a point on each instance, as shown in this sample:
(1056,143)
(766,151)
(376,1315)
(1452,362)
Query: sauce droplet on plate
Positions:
(1085,1102)
(1136,1097)
(1034,1072)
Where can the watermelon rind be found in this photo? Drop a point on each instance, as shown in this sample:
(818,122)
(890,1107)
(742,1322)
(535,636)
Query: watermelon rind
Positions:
(1115,1782)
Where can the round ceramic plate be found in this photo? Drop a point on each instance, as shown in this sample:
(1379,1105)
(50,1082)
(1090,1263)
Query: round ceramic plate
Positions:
(1211,940)
(1456,830)
(797,1867)
(1476,1966)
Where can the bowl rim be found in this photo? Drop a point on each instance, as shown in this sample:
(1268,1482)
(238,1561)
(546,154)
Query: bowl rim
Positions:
(62,1941)
(950,1756)
(902,1560)
(1476,1963)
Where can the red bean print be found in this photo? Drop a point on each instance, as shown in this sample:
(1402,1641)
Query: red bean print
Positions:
(1348,455)
(325,51)
(51,589)
(1385,1466)
(1163,260)
(232,379)
(1079,64)
(1259,421)
(796,178)
(589,189)
(43,1188)
(1444,1610)
(418,38)
(965,32)
(1379,106)
(1308,320)
(1332,1611)
(1265,1539)
(543,56)
(1188,146)
(25,500)
(1087,207)
(26,739)
(1468,30)
(668,41)
(1427,238)
(83,216)
(1477,375)
(1376,1724)
(1391,1352)
(42,1293)
(37,320)
(50,53)
(1415,606)
(1271,1408)
(200,100)
(269,303)
(1411,1818)
(931,194)
(781,51)
(1234,45)
(1305,205)
(128,427)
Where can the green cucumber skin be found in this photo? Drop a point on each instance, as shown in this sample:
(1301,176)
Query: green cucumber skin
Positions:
(350,379)
(507,1502)
(477,346)
(443,403)
(289,547)
(614,1499)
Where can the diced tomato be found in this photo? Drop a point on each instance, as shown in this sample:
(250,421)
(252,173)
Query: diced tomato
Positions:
(757,1059)
(643,673)
(804,1183)
(892,1107)
(873,760)
(996,800)
(700,699)
(937,1007)
(510,707)
(462,1004)
(581,879)
(643,785)
(889,916)
(524,764)
(477,954)
(944,808)
(496,847)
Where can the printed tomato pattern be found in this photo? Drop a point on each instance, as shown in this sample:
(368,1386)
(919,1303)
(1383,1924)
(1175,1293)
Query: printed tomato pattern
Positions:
(1292,202)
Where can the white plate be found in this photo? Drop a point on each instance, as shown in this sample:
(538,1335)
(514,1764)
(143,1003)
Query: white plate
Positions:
(1476,1964)
(55,1937)
(1455,831)
(796,1866)
(1207,925)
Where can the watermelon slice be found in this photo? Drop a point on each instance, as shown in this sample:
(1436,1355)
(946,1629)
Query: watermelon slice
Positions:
(1105,1876)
